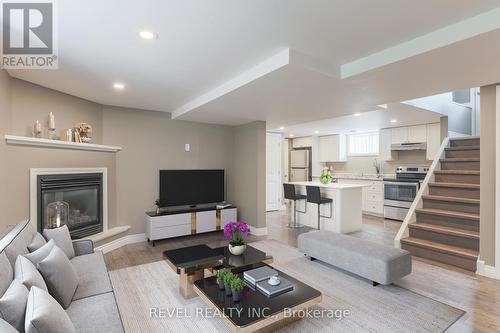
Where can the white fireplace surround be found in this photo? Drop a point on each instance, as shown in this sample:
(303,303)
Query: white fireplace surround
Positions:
(35,172)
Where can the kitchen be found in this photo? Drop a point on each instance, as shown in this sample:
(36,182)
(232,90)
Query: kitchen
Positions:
(389,163)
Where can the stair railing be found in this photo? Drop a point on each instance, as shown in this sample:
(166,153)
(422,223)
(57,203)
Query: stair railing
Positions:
(411,216)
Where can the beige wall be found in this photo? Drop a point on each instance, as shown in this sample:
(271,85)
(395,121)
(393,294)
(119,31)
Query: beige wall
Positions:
(5,90)
(152,141)
(364,164)
(488,169)
(250,170)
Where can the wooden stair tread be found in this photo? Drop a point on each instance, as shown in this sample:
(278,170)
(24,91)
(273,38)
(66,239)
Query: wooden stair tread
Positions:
(462,148)
(460,159)
(444,248)
(453,231)
(448,213)
(458,185)
(457,172)
(451,199)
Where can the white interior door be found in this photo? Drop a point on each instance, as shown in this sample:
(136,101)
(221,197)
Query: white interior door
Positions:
(273,171)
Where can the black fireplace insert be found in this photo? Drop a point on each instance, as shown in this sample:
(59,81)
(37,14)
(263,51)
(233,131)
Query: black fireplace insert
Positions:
(72,199)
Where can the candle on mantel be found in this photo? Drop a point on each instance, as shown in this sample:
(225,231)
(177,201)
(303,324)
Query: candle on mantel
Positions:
(38,127)
(52,122)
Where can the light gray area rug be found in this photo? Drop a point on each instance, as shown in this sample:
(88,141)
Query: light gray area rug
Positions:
(372,309)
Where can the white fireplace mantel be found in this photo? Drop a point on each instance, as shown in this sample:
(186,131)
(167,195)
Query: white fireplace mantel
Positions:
(35,172)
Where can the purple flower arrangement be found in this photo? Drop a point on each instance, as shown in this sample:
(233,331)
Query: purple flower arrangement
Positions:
(236,232)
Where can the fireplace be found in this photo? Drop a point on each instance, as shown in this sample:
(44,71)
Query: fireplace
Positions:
(74,199)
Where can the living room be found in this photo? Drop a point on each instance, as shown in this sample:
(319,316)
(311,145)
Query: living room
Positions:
(134,158)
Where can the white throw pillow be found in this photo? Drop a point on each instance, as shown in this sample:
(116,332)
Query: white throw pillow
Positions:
(13,305)
(26,273)
(41,253)
(37,242)
(60,276)
(45,315)
(62,238)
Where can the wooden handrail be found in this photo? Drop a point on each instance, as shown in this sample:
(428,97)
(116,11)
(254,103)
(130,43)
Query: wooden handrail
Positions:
(411,216)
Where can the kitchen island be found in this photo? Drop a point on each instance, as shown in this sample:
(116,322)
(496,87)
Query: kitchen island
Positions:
(346,211)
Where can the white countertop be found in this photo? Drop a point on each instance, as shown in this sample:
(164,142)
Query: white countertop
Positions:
(335,186)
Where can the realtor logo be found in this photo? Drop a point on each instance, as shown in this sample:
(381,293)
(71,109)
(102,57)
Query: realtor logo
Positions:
(28,35)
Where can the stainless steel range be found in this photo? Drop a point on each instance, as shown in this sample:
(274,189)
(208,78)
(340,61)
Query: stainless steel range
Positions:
(400,192)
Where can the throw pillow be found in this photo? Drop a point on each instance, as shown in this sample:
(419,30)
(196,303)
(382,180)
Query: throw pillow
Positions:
(37,242)
(60,276)
(45,315)
(26,273)
(41,253)
(62,238)
(5,327)
(13,305)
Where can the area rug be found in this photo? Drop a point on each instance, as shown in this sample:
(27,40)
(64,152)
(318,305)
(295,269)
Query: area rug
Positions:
(149,301)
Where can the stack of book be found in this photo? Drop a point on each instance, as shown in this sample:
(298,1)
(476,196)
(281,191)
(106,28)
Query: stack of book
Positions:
(258,279)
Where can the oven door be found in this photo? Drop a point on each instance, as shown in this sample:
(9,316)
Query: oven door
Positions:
(400,191)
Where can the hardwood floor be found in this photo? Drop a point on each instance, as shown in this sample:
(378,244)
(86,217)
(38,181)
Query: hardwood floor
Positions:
(477,295)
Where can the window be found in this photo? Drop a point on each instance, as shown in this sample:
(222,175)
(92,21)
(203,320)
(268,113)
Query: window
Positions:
(365,144)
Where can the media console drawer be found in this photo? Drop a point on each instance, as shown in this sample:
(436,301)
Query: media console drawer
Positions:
(170,220)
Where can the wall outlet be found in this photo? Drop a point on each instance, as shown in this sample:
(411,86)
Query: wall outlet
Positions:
(187,147)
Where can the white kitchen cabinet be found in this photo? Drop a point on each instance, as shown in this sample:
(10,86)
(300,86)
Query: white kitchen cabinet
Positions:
(373,195)
(433,140)
(306,141)
(332,148)
(384,149)
(417,133)
(399,135)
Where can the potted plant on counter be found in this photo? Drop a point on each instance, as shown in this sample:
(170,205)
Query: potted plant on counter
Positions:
(237,285)
(158,206)
(236,232)
(227,282)
(221,273)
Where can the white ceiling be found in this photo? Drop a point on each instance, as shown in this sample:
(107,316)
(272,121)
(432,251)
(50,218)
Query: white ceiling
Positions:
(282,61)
(404,114)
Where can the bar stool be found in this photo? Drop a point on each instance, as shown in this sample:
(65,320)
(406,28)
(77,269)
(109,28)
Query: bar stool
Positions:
(290,194)
(314,196)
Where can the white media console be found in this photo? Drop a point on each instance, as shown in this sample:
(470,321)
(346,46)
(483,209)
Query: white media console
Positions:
(187,222)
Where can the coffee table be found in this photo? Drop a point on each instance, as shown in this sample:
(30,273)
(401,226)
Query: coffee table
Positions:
(190,263)
(255,311)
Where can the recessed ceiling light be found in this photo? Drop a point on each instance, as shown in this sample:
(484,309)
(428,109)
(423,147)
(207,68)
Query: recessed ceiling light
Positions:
(292,135)
(316,132)
(383,106)
(148,35)
(118,86)
(394,121)
(282,127)
(357,114)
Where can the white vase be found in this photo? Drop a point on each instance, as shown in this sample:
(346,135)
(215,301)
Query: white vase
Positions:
(237,250)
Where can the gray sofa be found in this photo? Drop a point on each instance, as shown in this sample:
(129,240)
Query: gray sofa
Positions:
(378,263)
(93,307)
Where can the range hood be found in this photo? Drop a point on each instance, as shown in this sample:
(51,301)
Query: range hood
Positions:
(409,146)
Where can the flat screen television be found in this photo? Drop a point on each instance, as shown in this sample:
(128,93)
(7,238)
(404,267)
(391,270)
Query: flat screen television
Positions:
(191,187)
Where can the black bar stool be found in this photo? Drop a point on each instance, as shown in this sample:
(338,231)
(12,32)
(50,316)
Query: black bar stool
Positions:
(314,196)
(290,194)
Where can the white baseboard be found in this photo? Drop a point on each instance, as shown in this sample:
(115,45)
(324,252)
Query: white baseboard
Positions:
(122,241)
(487,270)
(258,231)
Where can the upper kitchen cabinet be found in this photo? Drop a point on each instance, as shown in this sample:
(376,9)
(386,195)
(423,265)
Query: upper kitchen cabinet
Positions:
(384,148)
(433,140)
(332,148)
(407,134)
(302,142)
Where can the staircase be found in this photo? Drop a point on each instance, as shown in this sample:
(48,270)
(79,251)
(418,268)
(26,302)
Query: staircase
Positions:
(446,228)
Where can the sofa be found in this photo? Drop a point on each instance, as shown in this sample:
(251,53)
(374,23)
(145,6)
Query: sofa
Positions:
(93,307)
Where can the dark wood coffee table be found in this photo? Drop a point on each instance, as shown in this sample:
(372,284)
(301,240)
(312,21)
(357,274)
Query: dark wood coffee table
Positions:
(190,263)
(256,311)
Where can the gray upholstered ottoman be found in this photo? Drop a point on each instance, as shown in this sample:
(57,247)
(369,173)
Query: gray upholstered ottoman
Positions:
(378,263)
